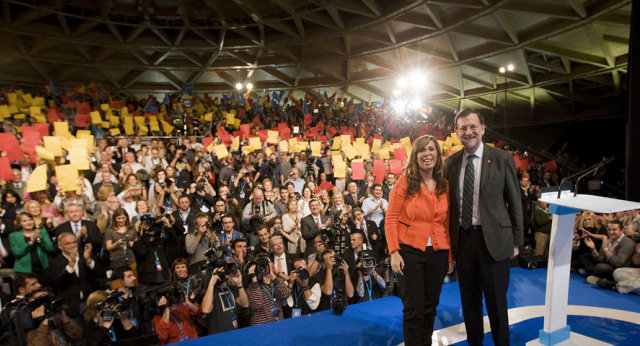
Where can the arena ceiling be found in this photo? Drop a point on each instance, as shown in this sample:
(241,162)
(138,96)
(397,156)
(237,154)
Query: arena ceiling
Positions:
(570,56)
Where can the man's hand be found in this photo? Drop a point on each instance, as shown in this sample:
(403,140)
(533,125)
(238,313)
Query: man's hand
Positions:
(37,313)
(516,251)
(345,267)
(83,231)
(87,252)
(589,243)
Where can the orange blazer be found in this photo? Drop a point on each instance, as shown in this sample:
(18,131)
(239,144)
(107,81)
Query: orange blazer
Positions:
(411,220)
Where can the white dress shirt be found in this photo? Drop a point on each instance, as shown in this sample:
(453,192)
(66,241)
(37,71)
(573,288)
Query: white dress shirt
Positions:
(477,165)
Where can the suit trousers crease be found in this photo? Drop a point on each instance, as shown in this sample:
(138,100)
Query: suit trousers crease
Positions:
(424,273)
(478,274)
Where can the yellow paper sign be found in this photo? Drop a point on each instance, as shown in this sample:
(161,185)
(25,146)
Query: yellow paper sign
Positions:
(230,119)
(346,139)
(4,111)
(35,111)
(363,150)
(61,128)
(337,143)
(406,142)
(168,128)
(39,118)
(106,124)
(124,112)
(105,107)
(284,146)
(96,119)
(272,137)
(153,123)
(255,143)
(114,132)
(316,149)
(53,145)
(340,169)
(455,139)
(350,151)
(221,151)
(67,177)
(208,116)
(37,179)
(44,153)
(236,143)
(292,144)
(383,154)
(78,158)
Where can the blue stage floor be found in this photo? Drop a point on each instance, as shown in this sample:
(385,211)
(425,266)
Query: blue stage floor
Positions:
(380,322)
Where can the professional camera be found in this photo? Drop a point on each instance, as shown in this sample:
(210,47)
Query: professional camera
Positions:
(238,161)
(114,305)
(262,267)
(51,305)
(147,220)
(227,268)
(172,293)
(256,209)
(339,258)
(303,274)
(367,260)
(166,183)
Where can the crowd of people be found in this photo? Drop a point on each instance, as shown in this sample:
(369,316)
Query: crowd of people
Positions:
(163,238)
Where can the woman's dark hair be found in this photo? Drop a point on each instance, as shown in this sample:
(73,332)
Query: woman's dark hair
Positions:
(413,173)
(12,193)
(120,212)
(175,263)
(19,218)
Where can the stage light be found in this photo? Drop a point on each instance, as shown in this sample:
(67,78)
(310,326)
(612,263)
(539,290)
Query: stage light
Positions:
(402,83)
(249,86)
(396,92)
(502,69)
(239,86)
(418,80)
(510,67)
(415,103)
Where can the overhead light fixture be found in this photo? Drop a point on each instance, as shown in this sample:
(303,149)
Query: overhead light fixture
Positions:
(239,86)
(416,103)
(396,92)
(510,67)
(502,69)
(402,83)
(249,86)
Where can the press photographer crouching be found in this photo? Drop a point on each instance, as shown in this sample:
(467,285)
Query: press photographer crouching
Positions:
(371,283)
(108,318)
(335,283)
(224,296)
(172,312)
(266,292)
(46,323)
(151,251)
(305,291)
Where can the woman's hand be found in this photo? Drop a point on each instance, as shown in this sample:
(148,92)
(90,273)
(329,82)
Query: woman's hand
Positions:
(452,266)
(397,263)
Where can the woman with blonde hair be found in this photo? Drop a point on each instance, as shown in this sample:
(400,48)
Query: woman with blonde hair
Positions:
(291,228)
(34,209)
(30,245)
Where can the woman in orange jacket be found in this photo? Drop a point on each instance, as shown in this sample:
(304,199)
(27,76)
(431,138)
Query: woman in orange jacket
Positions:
(417,232)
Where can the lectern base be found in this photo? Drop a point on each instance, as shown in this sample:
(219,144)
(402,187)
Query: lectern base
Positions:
(575,339)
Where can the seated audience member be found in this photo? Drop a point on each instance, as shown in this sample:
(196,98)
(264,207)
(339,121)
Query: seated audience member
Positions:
(616,251)
(266,292)
(263,245)
(228,235)
(30,246)
(305,290)
(43,330)
(625,280)
(329,274)
(199,241)
(119,239)
(542,219)
(176,323)
(104,326)
(86,231)
(26,283)
(107,181)
(225,293)
(73,274)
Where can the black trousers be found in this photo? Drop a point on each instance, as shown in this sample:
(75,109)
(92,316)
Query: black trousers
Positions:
(420,288)
(478,274)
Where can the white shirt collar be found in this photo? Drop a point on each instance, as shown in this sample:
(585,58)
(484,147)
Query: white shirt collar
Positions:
(478,152)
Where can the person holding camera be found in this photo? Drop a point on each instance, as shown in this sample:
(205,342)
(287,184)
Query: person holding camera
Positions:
(371,284)
(270,170)
(119,239)
(294,178)
(305,290)
(221,302)
(201,240)
(30,246)
(334,280)
(266,292)
(150,251)
(202,197)
(341,229)
(258,211)
(104,325)
(125,282)
(44,321)
(228,235)
(176,321)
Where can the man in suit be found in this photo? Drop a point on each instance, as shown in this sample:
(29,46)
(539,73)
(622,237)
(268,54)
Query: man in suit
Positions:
(106,181)
(182,226)
(313,224)
(486,226)
(282,262)
(372,235)
(85,231)
(353,198)
(72,274)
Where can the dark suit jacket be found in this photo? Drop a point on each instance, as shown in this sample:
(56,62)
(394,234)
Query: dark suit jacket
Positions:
(69,286)
(310,230)
(348,199)
(500,203)
(93,234)
(378,244)
(179,250)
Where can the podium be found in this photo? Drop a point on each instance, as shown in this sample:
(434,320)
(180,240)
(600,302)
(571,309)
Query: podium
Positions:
(564,209)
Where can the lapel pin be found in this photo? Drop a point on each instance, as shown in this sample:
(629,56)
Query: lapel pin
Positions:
(488,161)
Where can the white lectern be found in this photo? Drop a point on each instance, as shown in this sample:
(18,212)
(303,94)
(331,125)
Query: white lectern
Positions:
(556,331)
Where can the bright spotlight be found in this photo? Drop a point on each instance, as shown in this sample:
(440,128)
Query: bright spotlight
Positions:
(502,69)
(399,106)
(418,79)
(402,83)
(239,86)
(396,92)
(249,86)
(416,103)
(510,67)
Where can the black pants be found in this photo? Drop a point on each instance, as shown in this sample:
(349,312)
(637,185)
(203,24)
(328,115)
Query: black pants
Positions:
(420,285)
(479,273)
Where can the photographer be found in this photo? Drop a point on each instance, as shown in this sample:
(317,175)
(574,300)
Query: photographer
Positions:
(151,255)
(263,236)
(202,198)
(44,321)
(219,209)
(201,240)
(106,323)
(371,284)
(125,282)
(305,291)
(270,170)
(224,294)
(257,212)
(242,187)
(334,281)
(266,292)
(294,178)
(228,235)
(175,323)
(239,252)
(341,229)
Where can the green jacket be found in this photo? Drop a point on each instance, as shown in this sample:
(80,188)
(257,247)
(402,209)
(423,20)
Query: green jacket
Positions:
(22,251)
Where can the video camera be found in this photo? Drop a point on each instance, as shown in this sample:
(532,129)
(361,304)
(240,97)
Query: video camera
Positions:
(172,293)
(227,268)
(262,269)
(114,305)
(50,303)
(367,260)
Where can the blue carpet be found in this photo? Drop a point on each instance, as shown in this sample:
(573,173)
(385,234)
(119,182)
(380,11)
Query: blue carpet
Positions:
(380,322)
